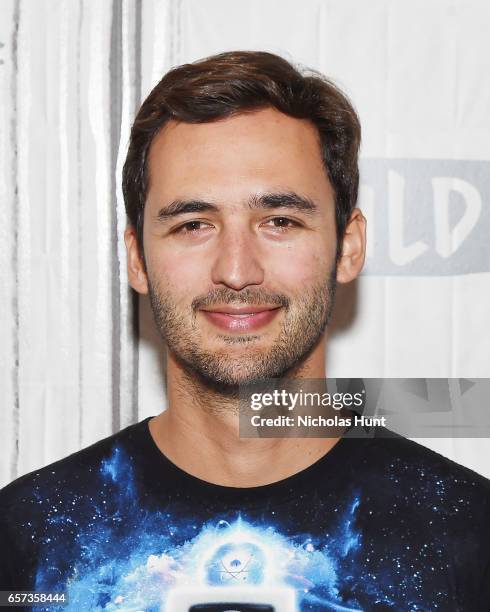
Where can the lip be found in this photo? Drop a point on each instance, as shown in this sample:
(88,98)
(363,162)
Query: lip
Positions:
(241,319)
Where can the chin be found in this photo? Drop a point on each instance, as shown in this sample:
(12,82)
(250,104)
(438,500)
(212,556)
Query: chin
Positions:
(240,363)
(241,342)
(233,380)
(240,375)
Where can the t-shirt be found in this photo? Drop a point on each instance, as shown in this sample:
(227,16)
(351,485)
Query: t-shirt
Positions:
(378,523)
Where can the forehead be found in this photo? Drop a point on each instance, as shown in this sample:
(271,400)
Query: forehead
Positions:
(248,152)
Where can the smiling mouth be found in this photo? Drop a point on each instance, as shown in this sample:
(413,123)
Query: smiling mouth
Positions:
(243,319)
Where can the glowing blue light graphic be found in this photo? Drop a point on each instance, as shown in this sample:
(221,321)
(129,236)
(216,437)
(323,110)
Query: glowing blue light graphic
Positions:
(130,559)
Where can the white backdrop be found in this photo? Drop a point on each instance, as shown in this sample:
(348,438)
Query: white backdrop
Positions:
(79,357)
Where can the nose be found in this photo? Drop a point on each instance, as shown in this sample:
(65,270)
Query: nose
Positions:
(237,263)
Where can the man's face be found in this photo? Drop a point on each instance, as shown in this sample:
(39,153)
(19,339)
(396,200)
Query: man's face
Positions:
(240,243)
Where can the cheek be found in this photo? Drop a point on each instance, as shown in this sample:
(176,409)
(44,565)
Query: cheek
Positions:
(181,278)
(301,267)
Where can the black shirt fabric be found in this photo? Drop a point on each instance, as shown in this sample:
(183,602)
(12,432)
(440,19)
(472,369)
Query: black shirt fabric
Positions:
(378,523)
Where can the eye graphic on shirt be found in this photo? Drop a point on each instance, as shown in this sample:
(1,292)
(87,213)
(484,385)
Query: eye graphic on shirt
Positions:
(236,563)
(237,571)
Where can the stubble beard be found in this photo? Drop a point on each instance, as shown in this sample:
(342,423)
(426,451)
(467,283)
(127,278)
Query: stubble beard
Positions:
(305,319)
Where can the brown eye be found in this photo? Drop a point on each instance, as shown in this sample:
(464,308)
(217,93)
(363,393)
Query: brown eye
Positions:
(191,227)
(283,222)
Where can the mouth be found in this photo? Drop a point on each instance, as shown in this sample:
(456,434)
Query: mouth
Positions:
(241,319)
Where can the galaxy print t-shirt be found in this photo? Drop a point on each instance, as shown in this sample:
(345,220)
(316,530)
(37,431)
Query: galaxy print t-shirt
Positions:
(376,524)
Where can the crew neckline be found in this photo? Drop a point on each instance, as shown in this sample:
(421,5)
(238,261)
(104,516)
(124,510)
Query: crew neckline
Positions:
(343,451)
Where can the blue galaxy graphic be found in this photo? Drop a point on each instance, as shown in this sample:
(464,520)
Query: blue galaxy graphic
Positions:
(131,559)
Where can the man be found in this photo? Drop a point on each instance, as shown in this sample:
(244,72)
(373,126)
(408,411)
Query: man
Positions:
(240,186)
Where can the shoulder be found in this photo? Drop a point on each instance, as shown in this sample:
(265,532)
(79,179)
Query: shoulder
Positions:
(440,507)
(411,457)
(424,480)
(47,509)
(70,474)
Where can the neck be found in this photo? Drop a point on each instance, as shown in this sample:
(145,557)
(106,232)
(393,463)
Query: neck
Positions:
(199,433)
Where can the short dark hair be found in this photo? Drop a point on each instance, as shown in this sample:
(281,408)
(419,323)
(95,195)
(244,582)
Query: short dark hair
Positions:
(234,82)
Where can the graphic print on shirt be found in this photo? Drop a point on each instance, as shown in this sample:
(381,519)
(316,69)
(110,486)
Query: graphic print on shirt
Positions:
(130,559)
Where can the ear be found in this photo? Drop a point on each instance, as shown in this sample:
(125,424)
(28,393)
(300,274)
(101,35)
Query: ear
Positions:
(136,269)
(353,248)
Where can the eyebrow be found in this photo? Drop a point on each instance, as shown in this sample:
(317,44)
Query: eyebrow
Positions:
(267,201)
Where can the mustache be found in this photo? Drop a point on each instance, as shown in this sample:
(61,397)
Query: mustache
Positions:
(249,296)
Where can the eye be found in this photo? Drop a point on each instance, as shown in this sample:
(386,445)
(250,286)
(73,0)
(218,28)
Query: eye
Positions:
(191,227)
(282,223)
